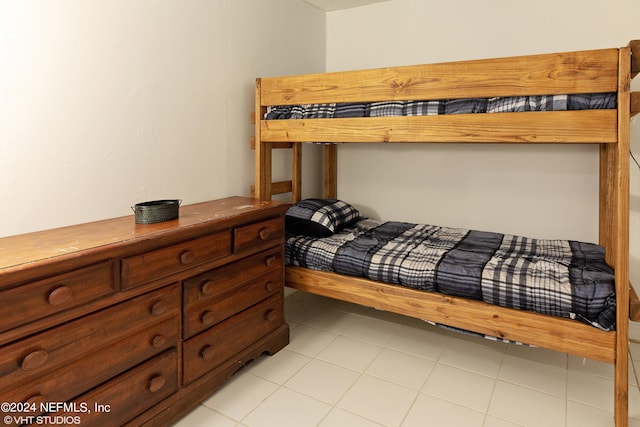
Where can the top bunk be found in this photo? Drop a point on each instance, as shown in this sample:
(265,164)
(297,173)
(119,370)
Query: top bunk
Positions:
(569,97)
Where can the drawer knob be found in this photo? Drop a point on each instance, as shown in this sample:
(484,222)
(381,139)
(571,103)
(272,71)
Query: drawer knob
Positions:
(270,315)
(271,261)
(207,287)
(208,317)
(269,286)
(158,341)
(207,352)
(60,295)
(264,233)
(34,360)
(187,257)
(158,308)
(156,383)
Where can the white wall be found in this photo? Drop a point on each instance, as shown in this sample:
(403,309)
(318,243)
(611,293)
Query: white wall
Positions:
(106,103)
(539,191)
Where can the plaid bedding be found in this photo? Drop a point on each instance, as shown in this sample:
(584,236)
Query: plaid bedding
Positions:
(447,106)
(554,277)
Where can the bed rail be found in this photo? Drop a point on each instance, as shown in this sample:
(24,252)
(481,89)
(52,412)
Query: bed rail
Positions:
(589,71)
(577,127)
(563,335)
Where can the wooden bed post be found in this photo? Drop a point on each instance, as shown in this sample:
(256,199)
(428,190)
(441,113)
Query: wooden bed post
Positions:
(614,230)
(296,172)
(330,188)
(264,187)
(262,177)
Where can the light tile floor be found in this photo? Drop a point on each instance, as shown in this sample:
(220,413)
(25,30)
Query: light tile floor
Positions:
(350,366)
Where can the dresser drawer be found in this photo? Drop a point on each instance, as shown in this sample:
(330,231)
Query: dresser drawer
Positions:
(140,269)
(36,300)
(45,352)
(258,236)
(131,393)
(220,343)
(214,310)
(73,379)
(224,279)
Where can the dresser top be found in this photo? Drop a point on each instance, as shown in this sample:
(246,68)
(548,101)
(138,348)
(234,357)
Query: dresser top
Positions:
(17,252)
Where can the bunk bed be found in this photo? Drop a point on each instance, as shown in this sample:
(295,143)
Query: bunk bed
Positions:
(578,97)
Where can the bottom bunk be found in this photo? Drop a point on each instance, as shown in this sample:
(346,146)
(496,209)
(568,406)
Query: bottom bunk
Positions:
(317,229)
(561,278)
(504,286)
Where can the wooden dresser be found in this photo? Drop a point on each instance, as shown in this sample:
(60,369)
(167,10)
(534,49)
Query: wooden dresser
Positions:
(114,323)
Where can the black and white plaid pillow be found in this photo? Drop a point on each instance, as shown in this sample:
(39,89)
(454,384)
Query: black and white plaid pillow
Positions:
(319,217)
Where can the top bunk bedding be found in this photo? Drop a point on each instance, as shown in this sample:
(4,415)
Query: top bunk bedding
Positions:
(510,104)
(560,278)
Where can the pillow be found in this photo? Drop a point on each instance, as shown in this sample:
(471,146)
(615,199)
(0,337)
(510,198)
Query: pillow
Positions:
(319,217)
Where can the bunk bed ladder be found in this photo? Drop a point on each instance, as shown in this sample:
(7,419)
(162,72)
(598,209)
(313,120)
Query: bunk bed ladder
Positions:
(264,187)
(294,185)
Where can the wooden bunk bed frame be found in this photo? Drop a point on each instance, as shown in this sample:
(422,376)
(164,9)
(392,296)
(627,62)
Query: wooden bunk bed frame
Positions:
(594,71)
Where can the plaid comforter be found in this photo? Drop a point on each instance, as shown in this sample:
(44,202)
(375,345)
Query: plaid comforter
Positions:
(446,106)
(554,277)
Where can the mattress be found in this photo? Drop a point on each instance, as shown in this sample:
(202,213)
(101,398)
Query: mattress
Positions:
(562,278)
(447,106)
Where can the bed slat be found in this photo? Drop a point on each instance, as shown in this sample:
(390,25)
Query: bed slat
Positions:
(591,126)
(559,73)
